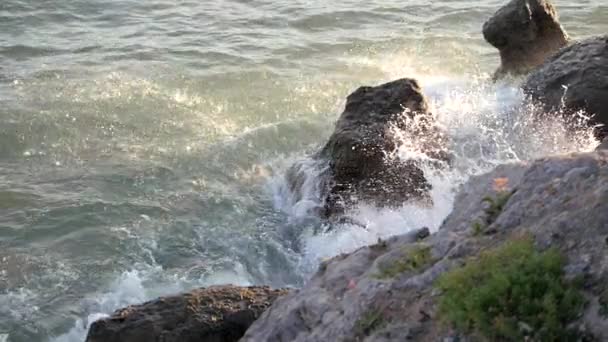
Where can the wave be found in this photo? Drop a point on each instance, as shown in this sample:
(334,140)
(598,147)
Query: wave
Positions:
(487,125)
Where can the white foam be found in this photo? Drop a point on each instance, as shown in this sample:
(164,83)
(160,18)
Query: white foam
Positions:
(374,223)
(298,205)
(137,286)
(127,289)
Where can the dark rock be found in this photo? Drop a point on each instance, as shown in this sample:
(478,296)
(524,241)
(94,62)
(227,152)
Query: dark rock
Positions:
(526,32)
(603,146)
(360,167)
(574,79)
(423,233)
(213,314)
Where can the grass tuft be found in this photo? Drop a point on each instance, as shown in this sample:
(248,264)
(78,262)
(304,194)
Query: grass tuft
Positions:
(495,205)
(512,293)
(478,228)
(415,259)
(369,322)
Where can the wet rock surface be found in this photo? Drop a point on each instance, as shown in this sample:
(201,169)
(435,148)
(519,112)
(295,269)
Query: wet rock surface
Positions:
(526,33)
(575,79)
(560,202)
(360,164)
(213,314)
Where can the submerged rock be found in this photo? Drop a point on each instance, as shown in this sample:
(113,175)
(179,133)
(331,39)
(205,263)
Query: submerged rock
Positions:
(387,292)
(574,79)
(372,126)
(526,32)
(213,314)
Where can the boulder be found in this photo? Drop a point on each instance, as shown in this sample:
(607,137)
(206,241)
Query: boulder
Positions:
(387,292)
(575,79)
(213,314)
(360,166)
(526,32)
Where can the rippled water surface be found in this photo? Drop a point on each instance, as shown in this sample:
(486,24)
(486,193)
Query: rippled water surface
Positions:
(143,143)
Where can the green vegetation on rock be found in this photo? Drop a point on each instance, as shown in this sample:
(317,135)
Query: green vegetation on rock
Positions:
(478,228)
(369,322)
(512,293)
(416,258)
(496,204)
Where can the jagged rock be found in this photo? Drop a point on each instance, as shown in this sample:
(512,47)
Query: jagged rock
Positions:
(526,32)
(358,152)
(560,202)
(213,314)
(575,78)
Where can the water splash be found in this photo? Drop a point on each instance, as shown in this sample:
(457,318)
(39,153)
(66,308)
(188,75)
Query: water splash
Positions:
(127,289)
(137,286)
(486,124)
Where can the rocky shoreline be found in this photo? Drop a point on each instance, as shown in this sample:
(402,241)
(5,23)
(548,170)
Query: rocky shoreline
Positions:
(388,291)
(553,210)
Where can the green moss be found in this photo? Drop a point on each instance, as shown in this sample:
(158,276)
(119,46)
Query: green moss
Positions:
(478,228)
(415,259)
(369,322)
(495,205)
(512,293)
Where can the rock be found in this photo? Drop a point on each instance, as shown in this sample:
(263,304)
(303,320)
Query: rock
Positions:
(559,201)
(213,314)
(603,146)
(526,32)
(575,78)
(360,167)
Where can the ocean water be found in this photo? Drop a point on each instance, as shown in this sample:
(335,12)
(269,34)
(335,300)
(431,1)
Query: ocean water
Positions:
(143,143)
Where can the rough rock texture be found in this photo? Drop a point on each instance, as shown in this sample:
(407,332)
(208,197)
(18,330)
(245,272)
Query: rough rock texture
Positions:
(561,202)
(213,314)
(583,69)
(526,32)
(358,151)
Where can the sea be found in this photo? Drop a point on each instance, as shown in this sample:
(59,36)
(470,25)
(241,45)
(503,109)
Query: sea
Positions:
(143,144)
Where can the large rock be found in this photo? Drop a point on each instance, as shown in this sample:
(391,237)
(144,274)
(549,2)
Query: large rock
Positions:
(526,32)
(213,314)
(561,202)
(360,165)
(575,78)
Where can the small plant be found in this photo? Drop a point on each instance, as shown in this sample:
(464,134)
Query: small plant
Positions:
(513,293)
(369,322)
(478,228)
(415,259)
(495,205)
